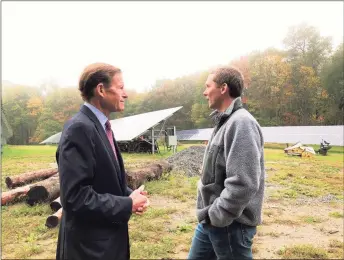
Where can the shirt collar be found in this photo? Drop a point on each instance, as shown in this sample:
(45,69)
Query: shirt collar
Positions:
(217,116)
(101,117)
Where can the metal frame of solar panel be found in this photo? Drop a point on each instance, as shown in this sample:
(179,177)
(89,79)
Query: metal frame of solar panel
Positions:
(136,133)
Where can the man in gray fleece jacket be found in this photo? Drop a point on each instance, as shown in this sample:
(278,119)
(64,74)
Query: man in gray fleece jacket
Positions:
(230,192)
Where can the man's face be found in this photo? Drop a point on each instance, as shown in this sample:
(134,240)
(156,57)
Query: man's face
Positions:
(212,93)
(115,95)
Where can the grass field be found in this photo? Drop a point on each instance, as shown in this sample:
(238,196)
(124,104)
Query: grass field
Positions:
(302,217)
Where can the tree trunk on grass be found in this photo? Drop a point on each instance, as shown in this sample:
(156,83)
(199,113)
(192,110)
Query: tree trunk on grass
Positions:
(53,220)
(14,195)
(56,205)
(22,179)
(44,191)
(136,177)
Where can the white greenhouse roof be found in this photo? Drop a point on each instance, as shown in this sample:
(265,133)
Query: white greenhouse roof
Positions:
(130,127)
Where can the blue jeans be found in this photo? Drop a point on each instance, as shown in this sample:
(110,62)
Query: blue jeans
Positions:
(231,242)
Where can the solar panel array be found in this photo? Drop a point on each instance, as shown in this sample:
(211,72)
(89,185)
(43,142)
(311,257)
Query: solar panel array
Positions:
(130,127)
(280,134)
(54,139)
(304,134)
(195,134)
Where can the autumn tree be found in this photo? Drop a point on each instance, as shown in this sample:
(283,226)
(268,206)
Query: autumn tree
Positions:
(333,83)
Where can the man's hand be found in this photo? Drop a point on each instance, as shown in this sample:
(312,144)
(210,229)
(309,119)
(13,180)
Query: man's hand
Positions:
(139,200)
(140,210)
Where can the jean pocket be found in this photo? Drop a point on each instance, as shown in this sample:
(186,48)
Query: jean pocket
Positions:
(248,232)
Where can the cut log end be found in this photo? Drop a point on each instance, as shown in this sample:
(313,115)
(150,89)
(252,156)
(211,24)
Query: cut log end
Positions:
(9,182)
(52,221)
(43,191)
(55,205)
(37,194)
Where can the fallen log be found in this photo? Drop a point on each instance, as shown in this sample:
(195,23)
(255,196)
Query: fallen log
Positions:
(136,177)
(56,205)
(166,166)
(53,220)
(14,195)
(22,179)
(44,191)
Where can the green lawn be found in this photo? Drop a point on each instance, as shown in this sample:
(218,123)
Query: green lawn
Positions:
(166,229)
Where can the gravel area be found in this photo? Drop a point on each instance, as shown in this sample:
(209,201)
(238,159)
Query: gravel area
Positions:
(188,161)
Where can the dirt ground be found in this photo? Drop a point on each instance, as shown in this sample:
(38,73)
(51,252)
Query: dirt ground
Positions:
(286,222)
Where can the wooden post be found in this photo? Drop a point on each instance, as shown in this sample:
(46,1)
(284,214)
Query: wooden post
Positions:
(15,194)
(152,140)
(138,176)
(175,134)
(22,179)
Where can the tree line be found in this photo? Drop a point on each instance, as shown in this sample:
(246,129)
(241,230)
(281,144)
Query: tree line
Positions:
(301,84)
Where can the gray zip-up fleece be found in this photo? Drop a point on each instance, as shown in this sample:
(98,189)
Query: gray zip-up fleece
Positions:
(233,173)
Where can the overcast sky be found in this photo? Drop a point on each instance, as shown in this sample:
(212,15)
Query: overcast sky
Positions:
(54,41)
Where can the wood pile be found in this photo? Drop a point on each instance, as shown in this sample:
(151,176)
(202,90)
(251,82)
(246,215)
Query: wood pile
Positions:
(43,186)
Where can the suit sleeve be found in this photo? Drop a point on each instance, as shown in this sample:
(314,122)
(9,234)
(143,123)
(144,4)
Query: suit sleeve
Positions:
(76,162)
(129,191)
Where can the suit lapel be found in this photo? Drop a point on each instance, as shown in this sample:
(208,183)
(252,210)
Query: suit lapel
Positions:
(105,140)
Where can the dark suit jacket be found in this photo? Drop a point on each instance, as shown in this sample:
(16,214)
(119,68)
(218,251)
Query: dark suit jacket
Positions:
(94,193)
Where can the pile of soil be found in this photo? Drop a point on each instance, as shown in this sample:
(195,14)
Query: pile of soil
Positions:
(188,161)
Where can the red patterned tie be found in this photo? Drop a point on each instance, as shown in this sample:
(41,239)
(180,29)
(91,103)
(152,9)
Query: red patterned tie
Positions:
(110,136)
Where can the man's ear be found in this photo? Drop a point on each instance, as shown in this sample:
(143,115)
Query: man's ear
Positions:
(224,88)
(99,90)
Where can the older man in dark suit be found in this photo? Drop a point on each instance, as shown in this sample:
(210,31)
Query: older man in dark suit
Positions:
(97,203)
